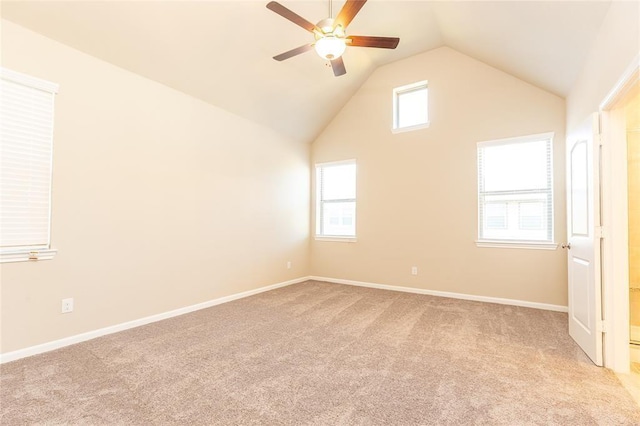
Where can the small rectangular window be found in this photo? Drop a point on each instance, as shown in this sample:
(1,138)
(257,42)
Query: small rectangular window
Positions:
(515,190)
(411,107)
(336,199)
(26,152)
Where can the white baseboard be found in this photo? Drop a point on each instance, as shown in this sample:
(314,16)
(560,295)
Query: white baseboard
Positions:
(501,301)
(72,340)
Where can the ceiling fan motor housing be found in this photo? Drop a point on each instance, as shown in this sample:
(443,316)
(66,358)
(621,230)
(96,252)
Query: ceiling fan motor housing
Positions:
(326,26)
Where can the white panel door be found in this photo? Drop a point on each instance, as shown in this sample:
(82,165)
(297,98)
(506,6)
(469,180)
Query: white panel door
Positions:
(584,233)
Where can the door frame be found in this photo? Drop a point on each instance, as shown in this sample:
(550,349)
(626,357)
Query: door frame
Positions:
(614,182)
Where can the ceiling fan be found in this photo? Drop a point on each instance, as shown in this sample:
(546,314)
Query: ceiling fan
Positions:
(330,37)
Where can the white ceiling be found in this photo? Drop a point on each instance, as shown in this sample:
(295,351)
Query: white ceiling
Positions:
(220,51)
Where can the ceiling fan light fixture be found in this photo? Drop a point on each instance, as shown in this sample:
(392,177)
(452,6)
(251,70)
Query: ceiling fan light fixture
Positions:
(330,34)
(330,47)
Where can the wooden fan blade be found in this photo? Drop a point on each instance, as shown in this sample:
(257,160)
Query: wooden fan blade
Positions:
(292,16)
(348,12)
(338,67)
(372,41)
(293,52)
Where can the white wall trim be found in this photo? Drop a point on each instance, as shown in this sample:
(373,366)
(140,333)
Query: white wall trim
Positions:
(78,338)
(72,340)
(29,81)
(28,256)
(488,299)
(336,239)
(623,86)
(424,125)
(517,139)
(534,245)
(336,163)
(615,268)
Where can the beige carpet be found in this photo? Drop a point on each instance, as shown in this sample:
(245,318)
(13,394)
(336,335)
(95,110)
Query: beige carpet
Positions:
(324,354)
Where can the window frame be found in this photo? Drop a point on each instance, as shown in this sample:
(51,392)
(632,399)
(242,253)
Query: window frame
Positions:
(319,236)
(36,251)
(547,244)
(408,88)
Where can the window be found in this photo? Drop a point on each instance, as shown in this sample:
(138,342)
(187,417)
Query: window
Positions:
(336,200)
(515,192)
(410,107)
(26,149)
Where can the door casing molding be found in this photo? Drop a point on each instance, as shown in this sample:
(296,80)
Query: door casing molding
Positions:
(615,278)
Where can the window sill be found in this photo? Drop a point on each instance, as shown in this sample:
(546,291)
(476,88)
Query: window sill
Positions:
(336,239)
(517,244)
(27,256)
(411,128)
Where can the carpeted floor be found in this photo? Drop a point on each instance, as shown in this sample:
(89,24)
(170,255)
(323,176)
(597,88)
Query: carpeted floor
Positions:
(324,354)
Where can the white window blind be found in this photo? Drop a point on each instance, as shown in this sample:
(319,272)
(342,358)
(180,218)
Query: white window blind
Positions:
(515,189)
(26,151)
(336,199)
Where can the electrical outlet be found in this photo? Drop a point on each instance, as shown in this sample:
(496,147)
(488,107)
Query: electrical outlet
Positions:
(67,305)
(289,265)
(414,270)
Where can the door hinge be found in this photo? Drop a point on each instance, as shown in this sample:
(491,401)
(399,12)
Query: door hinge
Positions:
(602,326)
(600,232)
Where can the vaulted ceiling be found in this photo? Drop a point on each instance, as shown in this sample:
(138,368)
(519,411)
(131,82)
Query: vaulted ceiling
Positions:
(221,51)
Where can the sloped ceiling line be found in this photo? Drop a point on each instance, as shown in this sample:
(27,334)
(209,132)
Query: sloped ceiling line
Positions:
(182,44)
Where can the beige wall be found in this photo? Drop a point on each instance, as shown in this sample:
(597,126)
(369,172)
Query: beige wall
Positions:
(615,47)
(206,204)
(417,191)
(160,201)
